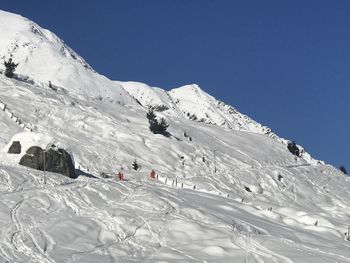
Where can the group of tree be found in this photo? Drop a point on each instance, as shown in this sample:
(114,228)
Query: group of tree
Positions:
(155,126)
(343,170)
(293,148)
(10,68)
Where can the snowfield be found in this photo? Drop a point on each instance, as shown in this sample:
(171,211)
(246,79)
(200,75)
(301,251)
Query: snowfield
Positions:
(228,191)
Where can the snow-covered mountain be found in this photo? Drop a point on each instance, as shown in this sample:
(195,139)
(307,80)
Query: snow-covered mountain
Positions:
(193,103)
(228,191)
(44,57)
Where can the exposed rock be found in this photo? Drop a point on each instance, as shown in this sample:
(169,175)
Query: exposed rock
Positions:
(15,148)
(52,160)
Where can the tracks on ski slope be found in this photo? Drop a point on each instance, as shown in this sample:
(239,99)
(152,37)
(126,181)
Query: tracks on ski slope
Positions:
(254,250)
(24,231)
(70,195)
(245,241)
(293,244)
(17,237)
(80,204)
(335,197)
(5,175)
(82,207)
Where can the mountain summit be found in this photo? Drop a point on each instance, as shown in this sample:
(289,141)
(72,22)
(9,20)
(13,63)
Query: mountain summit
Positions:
(44,57)
(193,103)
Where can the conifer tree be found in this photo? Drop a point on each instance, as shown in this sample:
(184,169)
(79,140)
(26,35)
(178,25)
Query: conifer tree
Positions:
(343,170)
(151,116)
(10,68)
(135,165)
(163,126)
(155,126)
(293,148)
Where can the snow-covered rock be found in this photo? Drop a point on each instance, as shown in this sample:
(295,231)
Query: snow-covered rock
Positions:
(27,140)
(41,152)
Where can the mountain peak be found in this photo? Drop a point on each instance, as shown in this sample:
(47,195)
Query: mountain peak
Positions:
(44,57)
(192,90)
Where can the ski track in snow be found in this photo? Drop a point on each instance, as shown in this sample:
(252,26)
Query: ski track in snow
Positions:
(17,238)
(80,204)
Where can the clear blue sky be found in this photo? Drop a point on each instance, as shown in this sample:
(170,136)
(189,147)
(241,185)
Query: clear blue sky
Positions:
(284,63)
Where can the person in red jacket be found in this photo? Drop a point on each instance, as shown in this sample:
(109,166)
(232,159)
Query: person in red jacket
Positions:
(152,175)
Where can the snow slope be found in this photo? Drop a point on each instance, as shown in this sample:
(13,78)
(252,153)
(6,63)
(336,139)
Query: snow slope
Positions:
(193,103)
(104,220)
(231,194)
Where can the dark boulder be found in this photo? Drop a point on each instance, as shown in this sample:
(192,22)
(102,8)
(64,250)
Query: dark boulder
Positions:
(15,148)
(56,161)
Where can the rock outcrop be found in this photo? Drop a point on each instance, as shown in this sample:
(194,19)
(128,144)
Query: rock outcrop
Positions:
(52,160)
(41,152)
(15,148)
